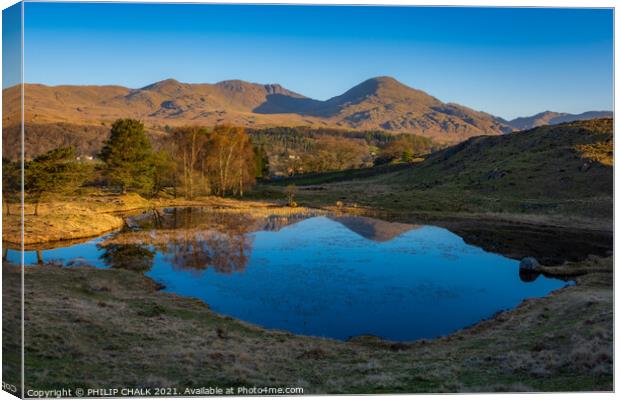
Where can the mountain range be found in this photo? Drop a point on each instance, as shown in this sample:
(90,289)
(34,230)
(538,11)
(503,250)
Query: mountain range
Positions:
(553,118)
(379,103)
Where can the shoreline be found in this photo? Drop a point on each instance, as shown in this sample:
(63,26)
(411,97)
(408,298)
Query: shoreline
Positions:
(539,337)
(83,220)
(87,221)
(82,290)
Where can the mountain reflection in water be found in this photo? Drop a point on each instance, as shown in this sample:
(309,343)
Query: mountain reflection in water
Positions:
(197,238)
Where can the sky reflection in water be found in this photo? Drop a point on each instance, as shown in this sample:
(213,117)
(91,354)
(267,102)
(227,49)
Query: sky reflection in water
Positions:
(325,276)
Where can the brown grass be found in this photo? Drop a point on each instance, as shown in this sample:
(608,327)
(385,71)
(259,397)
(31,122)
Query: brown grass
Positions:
(601,152)
(96,213)
(106,328)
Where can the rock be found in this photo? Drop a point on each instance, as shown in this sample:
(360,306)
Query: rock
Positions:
(529,263)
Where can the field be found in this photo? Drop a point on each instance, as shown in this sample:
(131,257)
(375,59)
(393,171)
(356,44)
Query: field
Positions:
(339,176)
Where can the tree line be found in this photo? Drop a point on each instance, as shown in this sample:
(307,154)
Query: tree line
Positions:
(301,150)
(191,161)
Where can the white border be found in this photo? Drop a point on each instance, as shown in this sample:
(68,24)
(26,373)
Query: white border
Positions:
(483,3)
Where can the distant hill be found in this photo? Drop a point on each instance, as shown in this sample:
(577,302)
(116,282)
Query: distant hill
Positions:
(378,103)
(552,118)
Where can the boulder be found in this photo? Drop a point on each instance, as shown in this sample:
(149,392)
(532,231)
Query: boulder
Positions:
(529,263)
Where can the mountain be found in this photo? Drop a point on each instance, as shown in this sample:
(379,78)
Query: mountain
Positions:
(379,103)
(387,104)
(552,118)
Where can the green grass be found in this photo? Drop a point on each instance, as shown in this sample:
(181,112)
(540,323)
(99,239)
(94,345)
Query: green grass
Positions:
(543,163)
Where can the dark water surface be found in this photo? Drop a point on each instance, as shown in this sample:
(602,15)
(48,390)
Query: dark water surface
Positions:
(333,276)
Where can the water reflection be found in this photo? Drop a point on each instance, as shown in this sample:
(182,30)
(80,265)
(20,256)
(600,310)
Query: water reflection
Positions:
(190,239)
(134,257)
(226,252)
(329,275)
(528,276)
(373,229)
(187,238)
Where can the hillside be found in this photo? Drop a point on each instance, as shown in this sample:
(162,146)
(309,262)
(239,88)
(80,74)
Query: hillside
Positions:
(562,169)
(553,118)
(378,103)
(387,104)
(545,161)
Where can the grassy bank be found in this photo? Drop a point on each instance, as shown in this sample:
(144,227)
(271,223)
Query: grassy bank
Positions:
(95,214)
(93,328)
(69,219)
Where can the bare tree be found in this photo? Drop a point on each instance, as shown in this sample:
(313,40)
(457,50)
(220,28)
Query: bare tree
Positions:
(231,159)
(189,144)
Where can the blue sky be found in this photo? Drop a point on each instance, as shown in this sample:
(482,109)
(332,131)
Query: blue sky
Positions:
(509,62)
(11,45)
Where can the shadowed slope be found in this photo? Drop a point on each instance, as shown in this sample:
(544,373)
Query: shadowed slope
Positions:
(568,160)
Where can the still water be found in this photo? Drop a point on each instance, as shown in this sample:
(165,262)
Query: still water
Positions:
(332,276)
